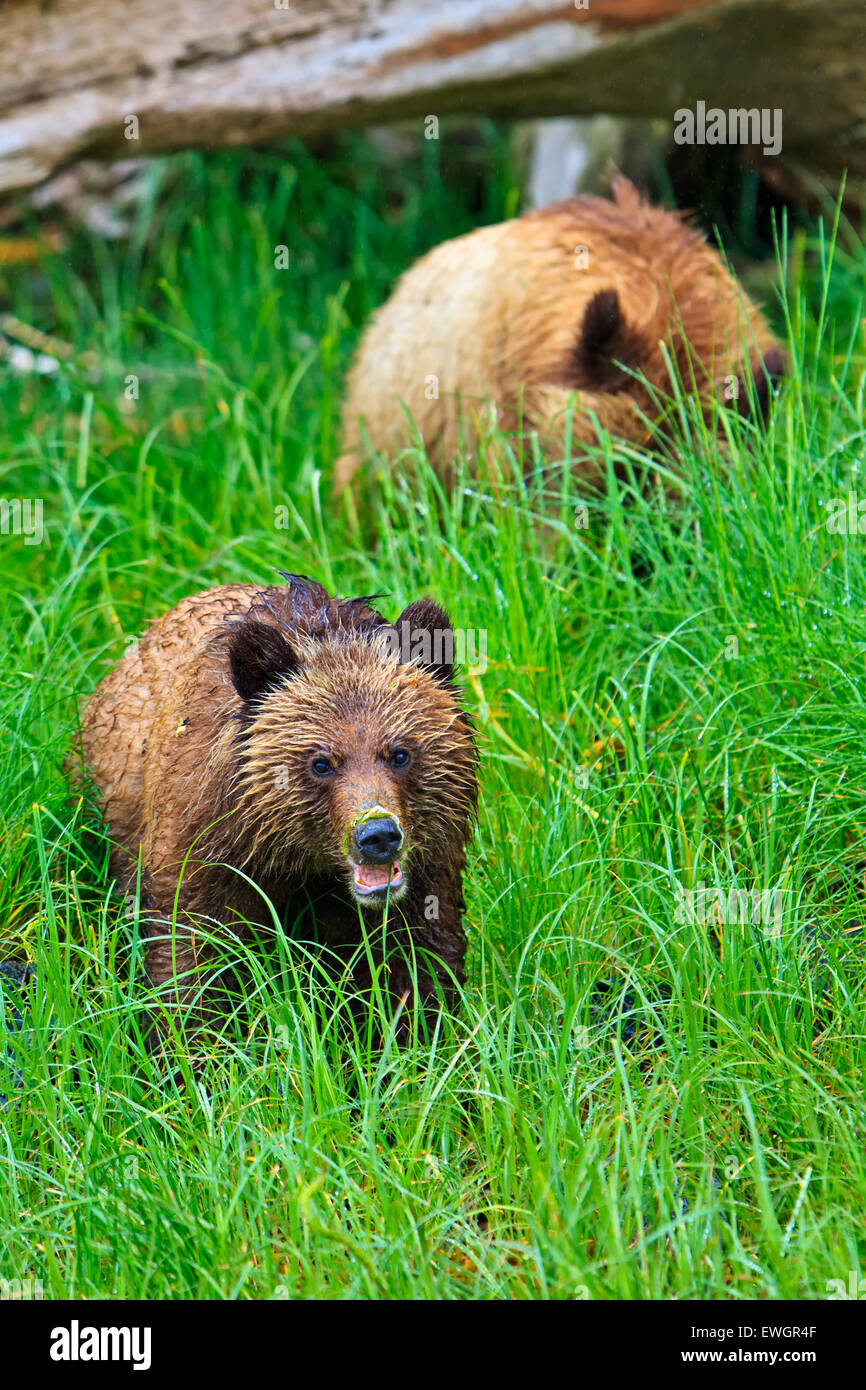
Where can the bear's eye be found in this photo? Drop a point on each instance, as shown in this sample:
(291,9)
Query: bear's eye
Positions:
(321,767)
(399,757)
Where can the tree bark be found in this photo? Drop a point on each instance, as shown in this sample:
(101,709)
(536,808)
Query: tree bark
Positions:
(196,73)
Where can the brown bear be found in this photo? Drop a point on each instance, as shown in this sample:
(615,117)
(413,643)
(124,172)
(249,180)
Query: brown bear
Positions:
(287,741)
(556,308)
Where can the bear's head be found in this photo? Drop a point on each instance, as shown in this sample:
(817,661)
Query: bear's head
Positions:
(356,761)
(711,346)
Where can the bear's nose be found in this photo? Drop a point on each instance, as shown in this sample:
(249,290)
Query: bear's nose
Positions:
(378,840)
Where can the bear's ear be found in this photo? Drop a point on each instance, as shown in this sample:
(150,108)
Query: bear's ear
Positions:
(259,657)
(605,339)
(425,636)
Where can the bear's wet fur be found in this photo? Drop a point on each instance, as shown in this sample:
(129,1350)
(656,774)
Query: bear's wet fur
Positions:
(292,738)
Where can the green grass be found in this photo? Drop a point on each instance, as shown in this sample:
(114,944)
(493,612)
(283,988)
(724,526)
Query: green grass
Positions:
(673,697)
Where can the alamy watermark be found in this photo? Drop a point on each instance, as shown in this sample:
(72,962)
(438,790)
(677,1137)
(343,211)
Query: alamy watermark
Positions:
(22,516)
(846,516)
(14,1290)
(855,1289)
(734,126)
(466,647)
(733,907)
(77,1343)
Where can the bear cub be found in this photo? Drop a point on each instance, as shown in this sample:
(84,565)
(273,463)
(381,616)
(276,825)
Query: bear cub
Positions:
(287,741)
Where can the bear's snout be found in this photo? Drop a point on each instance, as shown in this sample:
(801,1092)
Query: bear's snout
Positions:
(378,841)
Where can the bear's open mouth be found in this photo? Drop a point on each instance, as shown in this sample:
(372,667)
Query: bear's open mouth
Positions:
(374,880)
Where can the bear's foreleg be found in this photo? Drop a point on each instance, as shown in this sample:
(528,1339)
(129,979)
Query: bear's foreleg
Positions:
(189,931)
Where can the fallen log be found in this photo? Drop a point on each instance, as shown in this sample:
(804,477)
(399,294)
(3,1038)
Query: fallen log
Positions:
(108,79)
